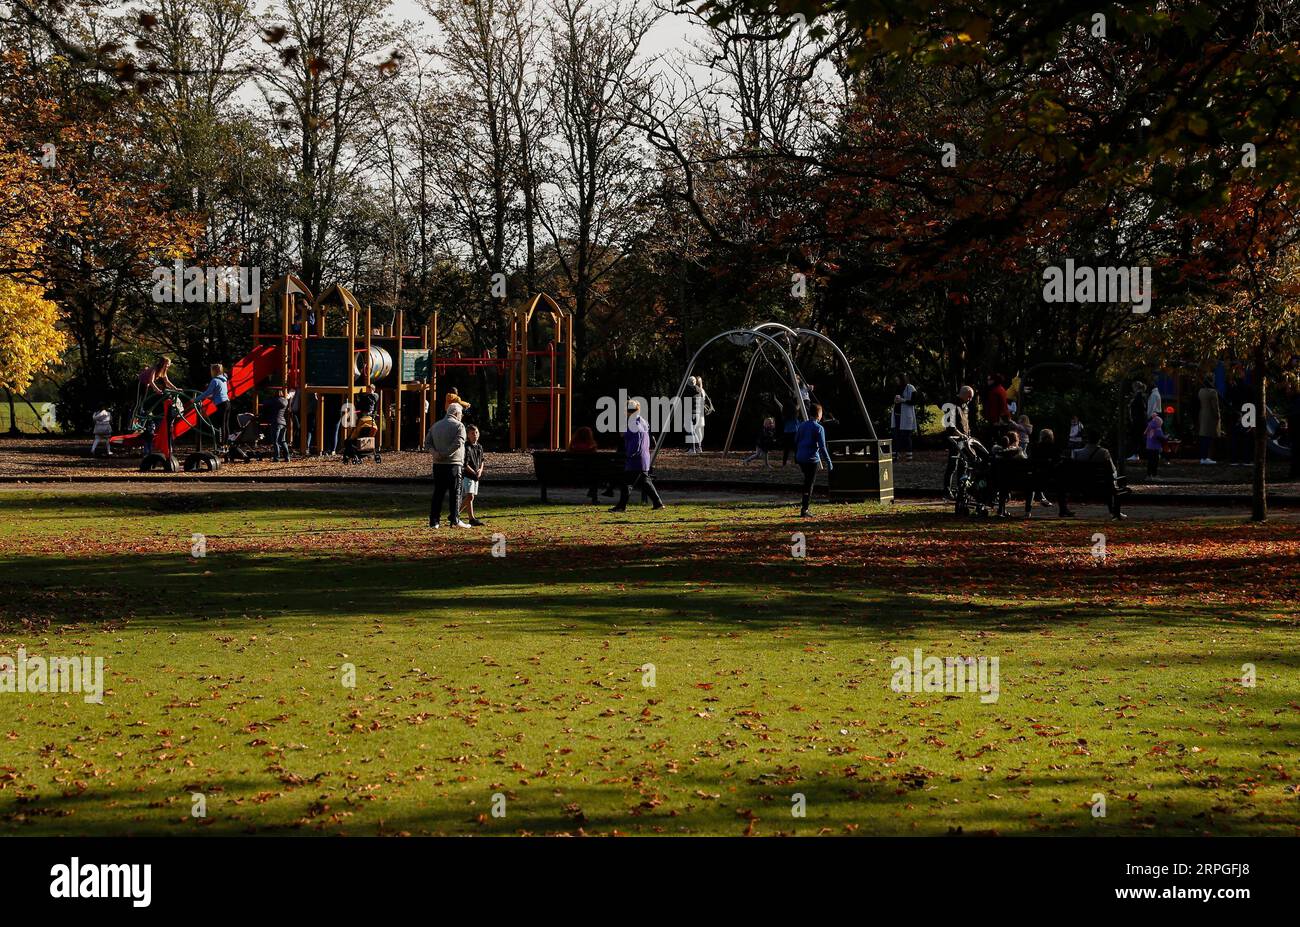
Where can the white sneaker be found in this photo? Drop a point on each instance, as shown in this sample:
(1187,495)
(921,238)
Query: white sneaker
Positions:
(1133,459)
(1206,460)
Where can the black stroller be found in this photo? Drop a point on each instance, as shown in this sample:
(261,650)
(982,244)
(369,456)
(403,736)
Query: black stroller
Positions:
(247,440)
(972,480)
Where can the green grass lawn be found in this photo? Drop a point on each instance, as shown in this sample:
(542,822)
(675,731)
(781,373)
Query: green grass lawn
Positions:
(28,421)
(522,676)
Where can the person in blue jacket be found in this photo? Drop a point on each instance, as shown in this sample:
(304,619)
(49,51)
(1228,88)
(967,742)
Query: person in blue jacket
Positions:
(636,471)
(219,392)
(810,451)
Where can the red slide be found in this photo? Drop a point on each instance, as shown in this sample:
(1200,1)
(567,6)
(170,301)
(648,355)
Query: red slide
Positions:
(259,364)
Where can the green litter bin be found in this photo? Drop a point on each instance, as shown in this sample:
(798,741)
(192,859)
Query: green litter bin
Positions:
(864,470)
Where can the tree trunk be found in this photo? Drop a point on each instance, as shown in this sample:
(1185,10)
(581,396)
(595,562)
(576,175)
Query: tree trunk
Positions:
(13,414)
(1259,491)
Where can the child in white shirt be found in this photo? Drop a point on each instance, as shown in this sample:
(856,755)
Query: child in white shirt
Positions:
(103,431)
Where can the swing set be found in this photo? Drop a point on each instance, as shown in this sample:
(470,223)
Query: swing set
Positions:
(864,465)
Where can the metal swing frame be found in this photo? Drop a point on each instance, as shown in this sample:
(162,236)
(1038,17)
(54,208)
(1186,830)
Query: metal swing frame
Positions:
(797,333)
(742,337)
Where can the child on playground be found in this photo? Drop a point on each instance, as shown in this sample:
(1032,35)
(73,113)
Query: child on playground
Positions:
(1023,429)
(103,420)
(155,374)
(453,396)
(810,451)
(766,443)
(219,392)
(471,473)
(1155,441)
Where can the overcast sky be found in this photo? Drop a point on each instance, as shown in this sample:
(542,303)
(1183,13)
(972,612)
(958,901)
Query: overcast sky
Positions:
(668,33)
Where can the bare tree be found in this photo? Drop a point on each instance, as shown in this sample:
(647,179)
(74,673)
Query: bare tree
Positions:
(596,202)
(330,56)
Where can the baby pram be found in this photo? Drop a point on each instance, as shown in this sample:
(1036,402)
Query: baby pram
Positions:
(362,439)
(972,482)
(248,440)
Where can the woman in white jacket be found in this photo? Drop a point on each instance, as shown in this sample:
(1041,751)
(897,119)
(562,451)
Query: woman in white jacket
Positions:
(902,416)
(701,406)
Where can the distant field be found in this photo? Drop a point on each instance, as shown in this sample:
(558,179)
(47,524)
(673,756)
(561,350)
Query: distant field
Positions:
(27,419)
(519,683)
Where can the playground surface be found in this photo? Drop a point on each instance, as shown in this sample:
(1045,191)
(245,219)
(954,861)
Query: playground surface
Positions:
(518,682)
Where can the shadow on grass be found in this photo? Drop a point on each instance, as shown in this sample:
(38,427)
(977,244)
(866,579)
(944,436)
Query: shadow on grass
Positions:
(898,569)
(891,802)
(547,591)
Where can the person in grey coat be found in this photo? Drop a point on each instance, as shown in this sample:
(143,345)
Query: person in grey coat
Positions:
(447,439)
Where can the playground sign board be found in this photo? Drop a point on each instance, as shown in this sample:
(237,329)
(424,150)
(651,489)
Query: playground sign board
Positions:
(417,365)
(327,361)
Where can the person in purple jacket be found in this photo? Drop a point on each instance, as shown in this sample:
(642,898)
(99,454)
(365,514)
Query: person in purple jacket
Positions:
(1155,438)
(636,471)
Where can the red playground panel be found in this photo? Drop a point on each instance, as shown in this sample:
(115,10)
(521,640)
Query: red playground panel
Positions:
(258,365)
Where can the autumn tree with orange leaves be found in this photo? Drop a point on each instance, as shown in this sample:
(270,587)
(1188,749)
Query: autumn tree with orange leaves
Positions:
(82,207)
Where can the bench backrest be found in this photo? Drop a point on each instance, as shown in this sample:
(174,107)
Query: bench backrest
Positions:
(1085,476)
(1072,476)
(558,467)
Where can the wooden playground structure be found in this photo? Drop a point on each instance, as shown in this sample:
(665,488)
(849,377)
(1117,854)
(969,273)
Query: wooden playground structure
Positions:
(549,408)
(330,345)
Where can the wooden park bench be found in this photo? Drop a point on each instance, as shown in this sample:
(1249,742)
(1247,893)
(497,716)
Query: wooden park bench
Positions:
(582,470)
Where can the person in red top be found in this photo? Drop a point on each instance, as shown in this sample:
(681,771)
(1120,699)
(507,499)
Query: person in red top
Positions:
(995,400)
(583,441)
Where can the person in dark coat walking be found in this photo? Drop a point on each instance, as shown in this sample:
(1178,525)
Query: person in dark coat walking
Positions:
(636,471)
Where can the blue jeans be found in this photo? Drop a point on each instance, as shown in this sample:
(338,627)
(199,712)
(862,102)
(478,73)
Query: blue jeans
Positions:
(280,442)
